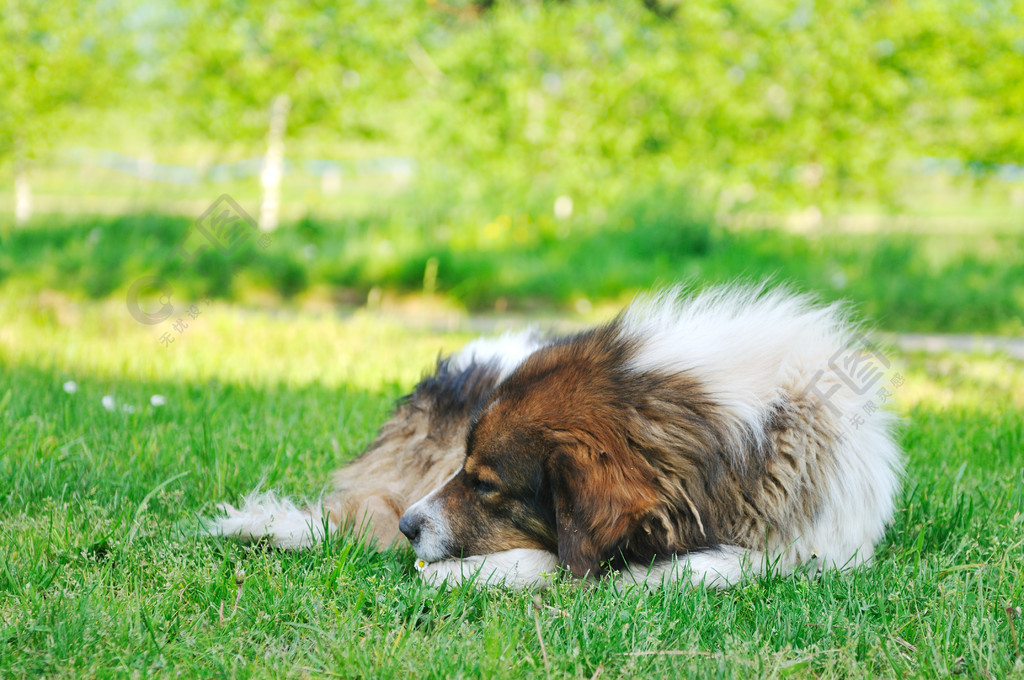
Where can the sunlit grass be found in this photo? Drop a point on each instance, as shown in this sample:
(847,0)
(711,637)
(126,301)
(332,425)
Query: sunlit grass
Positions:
(958,380)
(361,349)
(230,344)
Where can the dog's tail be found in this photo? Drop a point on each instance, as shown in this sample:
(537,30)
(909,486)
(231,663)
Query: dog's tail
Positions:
(265,517)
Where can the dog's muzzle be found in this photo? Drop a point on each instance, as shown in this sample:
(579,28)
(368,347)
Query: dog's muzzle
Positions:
(426,529)
(410,526)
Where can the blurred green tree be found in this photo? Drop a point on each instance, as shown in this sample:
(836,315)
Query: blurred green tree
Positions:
(796,101)
(776,102)
(238,71)
(55,66)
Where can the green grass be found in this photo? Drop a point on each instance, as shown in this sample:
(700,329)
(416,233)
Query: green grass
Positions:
(101,573)
(528,260)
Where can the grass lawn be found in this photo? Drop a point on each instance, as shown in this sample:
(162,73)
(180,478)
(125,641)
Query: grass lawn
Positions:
(101,572)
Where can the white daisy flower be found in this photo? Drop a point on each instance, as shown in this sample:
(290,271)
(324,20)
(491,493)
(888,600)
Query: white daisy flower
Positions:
(420,565)
(71,387)
(108,402)
(158,400)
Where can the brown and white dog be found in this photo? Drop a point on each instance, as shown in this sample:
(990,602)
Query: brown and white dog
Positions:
(705,438)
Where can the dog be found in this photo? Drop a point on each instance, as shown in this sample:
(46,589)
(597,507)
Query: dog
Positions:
(700,437)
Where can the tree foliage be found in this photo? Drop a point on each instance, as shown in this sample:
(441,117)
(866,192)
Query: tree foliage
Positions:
(795,99)
(56,66)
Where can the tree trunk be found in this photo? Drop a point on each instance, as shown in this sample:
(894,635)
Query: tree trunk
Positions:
(273,164)
(22,196)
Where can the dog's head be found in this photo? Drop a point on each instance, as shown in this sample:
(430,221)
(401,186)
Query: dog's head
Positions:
(549,464)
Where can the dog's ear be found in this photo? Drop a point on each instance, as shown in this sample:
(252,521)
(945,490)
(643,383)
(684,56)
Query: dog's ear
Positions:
(600,495)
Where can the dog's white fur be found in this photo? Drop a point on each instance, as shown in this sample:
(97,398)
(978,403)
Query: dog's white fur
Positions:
(516,568)
(506,351)
(268,516)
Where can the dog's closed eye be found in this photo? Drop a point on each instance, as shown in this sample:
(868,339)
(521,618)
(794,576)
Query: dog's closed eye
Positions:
(484,488)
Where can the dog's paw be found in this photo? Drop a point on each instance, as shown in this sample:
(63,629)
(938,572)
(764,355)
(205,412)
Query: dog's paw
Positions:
(518,568)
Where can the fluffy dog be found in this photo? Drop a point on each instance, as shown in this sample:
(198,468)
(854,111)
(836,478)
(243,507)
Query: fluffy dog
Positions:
(703,437)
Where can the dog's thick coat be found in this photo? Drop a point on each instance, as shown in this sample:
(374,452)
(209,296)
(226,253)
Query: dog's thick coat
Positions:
(703,437)
(711,435)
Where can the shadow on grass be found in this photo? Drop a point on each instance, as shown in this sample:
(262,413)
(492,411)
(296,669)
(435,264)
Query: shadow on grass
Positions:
(899,282)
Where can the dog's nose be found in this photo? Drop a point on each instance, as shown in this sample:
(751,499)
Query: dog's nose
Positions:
(410,526)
